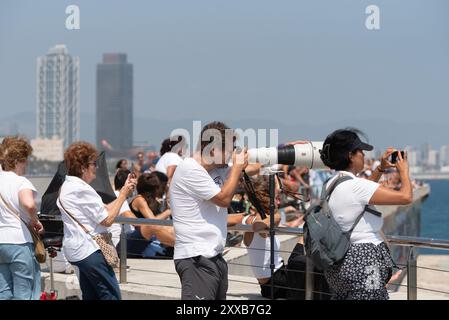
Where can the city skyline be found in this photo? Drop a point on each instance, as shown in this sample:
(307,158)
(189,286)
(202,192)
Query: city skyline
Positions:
(209,58)
(305,68)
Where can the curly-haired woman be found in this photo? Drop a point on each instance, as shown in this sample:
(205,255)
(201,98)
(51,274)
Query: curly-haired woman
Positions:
(79,200)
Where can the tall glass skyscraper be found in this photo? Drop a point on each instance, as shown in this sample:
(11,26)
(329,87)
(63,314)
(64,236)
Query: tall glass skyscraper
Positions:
(115,101)
(58,96)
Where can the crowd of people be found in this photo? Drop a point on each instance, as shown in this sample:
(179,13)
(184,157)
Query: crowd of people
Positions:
(201,198)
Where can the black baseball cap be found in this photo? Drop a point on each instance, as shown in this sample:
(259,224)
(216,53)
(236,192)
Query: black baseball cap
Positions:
(359,144)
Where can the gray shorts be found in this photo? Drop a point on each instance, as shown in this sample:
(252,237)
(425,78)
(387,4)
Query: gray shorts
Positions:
(203,278)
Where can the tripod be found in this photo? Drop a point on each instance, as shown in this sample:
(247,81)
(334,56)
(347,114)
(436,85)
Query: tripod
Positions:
(53,245)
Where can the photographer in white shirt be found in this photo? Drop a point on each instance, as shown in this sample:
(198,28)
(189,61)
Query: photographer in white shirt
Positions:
(202,188)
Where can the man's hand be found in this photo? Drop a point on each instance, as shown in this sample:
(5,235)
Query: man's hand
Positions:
(240,160)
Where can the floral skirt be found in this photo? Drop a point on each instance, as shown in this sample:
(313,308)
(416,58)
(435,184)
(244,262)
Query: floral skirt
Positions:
(363,274)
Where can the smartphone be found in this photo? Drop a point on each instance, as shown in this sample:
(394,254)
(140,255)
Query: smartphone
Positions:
(394,156)
(133,174)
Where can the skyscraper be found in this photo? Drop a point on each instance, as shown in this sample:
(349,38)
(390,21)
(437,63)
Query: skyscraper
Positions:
(58,96)
(115,102)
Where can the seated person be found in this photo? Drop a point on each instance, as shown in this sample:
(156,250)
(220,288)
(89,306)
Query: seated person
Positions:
(150,240)
(289,281)
(258,244)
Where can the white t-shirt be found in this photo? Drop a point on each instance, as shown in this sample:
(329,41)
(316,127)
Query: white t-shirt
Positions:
(81,200)
(200,226)
(168,159)
(349,200)
(13,230)
(116,228)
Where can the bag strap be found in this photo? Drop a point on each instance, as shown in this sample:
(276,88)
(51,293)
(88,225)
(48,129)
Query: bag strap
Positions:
(375,212)
(366,209)
(11,210)
(326,192)
(76,220)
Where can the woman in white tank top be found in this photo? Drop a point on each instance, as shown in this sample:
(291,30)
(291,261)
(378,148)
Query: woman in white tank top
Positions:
(259,244)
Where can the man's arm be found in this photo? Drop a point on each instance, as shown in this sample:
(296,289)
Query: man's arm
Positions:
(224,197)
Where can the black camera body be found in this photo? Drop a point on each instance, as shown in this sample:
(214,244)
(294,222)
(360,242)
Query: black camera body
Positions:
(394,156)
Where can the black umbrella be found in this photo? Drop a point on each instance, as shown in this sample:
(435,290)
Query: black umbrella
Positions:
(101,185)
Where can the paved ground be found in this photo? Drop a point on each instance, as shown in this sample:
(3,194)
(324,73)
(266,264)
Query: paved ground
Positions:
(428,279)
(157,279)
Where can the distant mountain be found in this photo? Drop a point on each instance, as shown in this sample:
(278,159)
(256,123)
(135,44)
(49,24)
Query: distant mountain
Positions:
(381,132)
(25,124)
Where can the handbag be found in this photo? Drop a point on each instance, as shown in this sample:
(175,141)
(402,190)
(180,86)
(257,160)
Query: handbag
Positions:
(39,248)
(103,240)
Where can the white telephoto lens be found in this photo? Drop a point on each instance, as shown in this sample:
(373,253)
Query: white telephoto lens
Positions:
(308,155)
(265,156)
(302,155)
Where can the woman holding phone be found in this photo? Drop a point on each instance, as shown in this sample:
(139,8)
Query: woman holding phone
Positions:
(367,266)
(81,205)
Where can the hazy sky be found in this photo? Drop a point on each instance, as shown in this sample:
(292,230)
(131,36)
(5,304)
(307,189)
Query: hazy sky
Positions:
(294,61)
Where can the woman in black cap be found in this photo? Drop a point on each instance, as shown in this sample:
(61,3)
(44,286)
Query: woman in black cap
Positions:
(367,266)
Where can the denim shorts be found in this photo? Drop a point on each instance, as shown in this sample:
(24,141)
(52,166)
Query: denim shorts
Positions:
(20,275)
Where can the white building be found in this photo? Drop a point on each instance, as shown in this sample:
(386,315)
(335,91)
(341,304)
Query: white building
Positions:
(444,156)
(58,96)
(412,157)
(48,149)
(432,160)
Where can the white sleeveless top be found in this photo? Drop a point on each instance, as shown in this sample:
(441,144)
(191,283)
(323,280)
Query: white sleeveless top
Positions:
(259,255)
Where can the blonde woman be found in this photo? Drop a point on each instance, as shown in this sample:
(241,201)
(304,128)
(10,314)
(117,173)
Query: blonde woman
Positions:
(19,270)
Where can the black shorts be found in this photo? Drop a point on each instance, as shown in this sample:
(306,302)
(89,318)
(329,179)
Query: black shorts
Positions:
(203,278)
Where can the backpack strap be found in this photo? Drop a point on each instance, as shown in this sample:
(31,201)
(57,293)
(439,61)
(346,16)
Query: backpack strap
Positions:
(326,192)
(375,212)
(366,209)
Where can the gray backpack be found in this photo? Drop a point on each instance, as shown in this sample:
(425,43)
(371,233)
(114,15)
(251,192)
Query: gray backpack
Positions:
(324,241)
